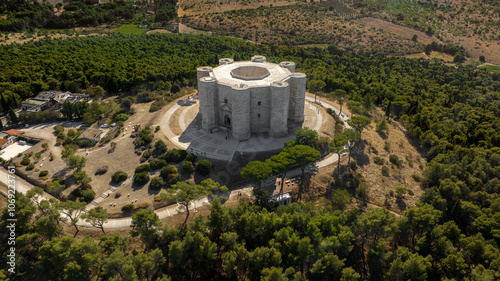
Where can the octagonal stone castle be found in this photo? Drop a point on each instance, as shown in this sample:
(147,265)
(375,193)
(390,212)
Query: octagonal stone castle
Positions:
(251,97)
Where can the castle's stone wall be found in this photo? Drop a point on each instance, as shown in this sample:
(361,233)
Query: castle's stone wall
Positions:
(246,106)
(297,97)
(280,99)
(260,107)
(208,101)
(241,112)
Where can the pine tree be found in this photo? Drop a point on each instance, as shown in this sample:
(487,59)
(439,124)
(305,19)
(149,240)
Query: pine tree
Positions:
(13,116)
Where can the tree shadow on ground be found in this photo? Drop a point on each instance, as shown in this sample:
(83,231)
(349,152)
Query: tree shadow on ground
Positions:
(401,203)
(382,134)
(358,154)
(61,174)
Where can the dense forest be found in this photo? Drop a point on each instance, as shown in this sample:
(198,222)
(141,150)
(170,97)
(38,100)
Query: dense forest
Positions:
(23,14)
(452,112)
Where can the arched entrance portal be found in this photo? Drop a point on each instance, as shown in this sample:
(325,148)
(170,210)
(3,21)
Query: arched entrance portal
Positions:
(227,120)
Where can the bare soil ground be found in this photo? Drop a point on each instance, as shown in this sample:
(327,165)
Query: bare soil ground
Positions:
(301,24)
(402,31)
(123,158)
(195,7)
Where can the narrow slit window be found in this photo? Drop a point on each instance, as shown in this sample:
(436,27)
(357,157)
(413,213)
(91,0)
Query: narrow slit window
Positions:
(225,100)
(258,115)
(259,103)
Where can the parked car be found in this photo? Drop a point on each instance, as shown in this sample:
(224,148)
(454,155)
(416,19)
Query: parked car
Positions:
(104,126)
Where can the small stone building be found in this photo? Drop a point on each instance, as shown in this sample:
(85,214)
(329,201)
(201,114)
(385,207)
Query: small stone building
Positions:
(251,97)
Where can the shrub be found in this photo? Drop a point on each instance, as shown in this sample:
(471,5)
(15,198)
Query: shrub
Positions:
(188,166)
(175,155)
(387,146)
(142,168)
(156,183)
(382,126)
(102,170)
(43,173)
(38,155)
(400,191)
(71,134)
(168,170)
(362,189)
(58,129)
(25,162)
(127,208)
(160,146)
(385,170)
(157,105)
(378,160)
(157,164)
(141,178)
(191,157)
(30,167)
(121,117)
(204,167)
(416,177)
(146,154)
(119,177)
(84,143)
(88,195)
(394,159)
(175,179)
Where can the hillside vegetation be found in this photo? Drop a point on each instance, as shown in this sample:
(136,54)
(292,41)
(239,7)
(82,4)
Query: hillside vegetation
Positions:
(453,112)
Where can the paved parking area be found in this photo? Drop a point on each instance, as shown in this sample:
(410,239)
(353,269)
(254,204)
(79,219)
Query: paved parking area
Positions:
(220,145)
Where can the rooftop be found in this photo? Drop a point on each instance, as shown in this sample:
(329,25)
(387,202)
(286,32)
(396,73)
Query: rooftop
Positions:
(253,74)
(3,141)
(14,132)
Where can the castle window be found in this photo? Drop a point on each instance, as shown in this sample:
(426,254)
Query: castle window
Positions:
(259,103)
(225,100)
(258,115)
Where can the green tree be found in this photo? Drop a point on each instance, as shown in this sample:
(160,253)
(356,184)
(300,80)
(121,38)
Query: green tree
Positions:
(349,274)
(328,267)
(304,156)
(382,126)
(119,176)
(340,96)
(338,146)
(13,116)
(188,166)
(145,224)
(184,194)
(160,146)
(82,178)
(97,217)
(156,183)
(204,167)
(75,162)
(352,137)
(315,86)
(280,164)
(256,171)
(340,198)
(73,211)
(359,122)
(307,136)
